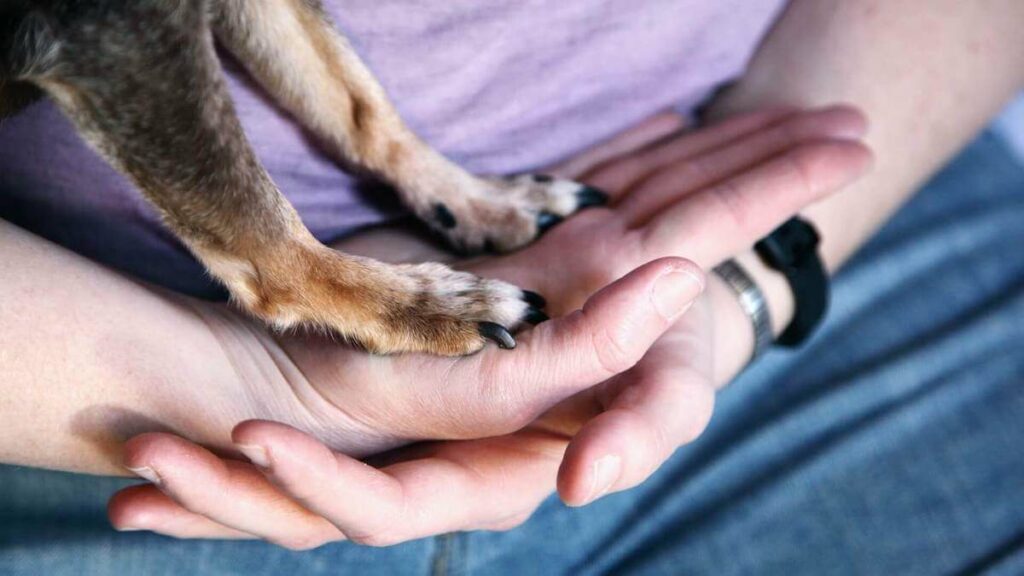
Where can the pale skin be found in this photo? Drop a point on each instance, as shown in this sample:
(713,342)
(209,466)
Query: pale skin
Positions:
(863,41)
(301,494)
(113,375)
(362,404)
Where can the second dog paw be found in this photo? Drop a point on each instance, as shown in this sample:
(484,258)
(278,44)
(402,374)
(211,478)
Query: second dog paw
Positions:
(508,213)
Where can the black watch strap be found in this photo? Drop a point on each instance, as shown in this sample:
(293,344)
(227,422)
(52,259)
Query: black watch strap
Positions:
(792,249)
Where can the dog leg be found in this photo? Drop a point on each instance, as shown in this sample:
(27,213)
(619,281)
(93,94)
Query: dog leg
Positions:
(20,53)
(142,82)
(296,53)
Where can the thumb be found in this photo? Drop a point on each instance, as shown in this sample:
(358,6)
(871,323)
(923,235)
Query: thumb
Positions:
(610,334)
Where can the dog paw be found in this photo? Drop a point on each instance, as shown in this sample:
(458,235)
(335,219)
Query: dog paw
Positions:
(387,308)
(508,213)
(451,313)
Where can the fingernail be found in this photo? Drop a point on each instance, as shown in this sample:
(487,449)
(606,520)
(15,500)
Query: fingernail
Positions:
(146,473)
(127,529)
(605,472)
(675,291)
(255,453)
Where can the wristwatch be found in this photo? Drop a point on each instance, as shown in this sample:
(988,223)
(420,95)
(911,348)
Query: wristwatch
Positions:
(792,249)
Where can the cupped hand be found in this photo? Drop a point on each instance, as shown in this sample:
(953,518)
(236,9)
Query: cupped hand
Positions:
(705,195)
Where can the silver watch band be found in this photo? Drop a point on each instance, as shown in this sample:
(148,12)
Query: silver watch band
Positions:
(752,300)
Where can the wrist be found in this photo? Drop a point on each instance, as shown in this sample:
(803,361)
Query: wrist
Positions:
(245,373)
(275,378)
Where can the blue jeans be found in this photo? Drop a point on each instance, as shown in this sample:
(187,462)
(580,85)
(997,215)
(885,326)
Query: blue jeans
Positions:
(891,444)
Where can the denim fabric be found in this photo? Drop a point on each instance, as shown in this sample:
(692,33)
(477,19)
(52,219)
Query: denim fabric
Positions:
(889,445)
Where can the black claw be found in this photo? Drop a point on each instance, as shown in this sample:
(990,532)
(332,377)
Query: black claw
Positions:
(590,196)
(542,178)
(444,216)
(534,299)
(545,220)
(534,316)
(498,333)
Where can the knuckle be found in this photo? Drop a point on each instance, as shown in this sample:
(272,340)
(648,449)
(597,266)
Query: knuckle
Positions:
(730,199)
(661,447)
(803,164)
(509,413)
(619,173)
(612,354)
(508,424)
(698,417)
(516,415)
(655,445)
(793,130)
(501,418)
(502,408)
(697,170)
(694,426)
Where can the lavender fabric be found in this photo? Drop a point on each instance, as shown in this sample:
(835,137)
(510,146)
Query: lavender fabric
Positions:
(501,86)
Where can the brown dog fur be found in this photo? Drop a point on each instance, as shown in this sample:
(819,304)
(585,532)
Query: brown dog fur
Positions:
(142,82)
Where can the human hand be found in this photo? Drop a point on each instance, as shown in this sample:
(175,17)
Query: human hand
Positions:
(452,485)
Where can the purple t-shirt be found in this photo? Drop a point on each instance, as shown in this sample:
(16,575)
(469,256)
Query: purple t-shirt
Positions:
(500,86)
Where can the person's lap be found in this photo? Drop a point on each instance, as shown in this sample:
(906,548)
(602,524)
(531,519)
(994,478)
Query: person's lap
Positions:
(885,446)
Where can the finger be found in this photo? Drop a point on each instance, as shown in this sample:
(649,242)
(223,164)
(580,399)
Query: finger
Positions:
(730,216)
(470,485)
(617,176)
(351,494)
(663,403)
(230,493)
(554,360)
(666,187)
(648,131)
(144,507)
(497,392)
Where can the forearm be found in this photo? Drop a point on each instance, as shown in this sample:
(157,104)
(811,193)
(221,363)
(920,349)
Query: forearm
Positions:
(89,358)
(928,75)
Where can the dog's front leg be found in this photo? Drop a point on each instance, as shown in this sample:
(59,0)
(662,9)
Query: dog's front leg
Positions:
(295,52)
(143,85)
